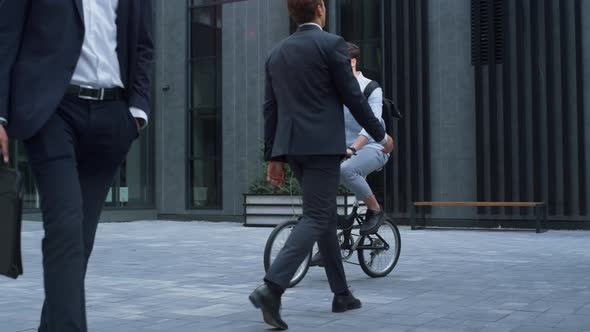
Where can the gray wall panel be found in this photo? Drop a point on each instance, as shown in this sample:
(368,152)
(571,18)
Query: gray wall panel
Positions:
(250,30)
(234,50)
(171,67)
(452,106)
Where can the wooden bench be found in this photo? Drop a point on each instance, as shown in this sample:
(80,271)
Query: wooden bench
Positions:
(540,209)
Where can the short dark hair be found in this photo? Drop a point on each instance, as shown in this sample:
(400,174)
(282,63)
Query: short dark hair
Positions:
(303,11)
(354,51)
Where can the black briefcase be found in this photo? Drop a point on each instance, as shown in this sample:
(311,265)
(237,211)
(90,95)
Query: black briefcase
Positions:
(11,202)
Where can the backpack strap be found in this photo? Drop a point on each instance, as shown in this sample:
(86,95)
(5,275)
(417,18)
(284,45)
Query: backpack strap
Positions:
(370,88)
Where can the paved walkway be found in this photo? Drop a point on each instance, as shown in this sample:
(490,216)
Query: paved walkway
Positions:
(170,276)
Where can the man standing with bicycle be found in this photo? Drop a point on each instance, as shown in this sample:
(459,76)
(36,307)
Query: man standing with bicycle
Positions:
(308,78)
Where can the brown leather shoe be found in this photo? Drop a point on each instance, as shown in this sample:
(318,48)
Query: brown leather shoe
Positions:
(270,305)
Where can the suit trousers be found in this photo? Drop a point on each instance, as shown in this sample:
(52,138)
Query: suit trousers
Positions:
(318,177)
(74,158)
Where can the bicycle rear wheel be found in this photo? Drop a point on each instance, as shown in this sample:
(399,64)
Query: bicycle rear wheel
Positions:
(381,251)
(274,244)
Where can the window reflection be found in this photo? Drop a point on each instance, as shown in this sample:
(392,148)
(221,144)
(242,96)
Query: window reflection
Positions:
(205,106)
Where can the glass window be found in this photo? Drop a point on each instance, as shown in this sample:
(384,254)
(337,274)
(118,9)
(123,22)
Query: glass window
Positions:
(360,23)
(133,186)
(18,159)
(205,105)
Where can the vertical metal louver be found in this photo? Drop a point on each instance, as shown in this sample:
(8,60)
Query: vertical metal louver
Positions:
(487,39)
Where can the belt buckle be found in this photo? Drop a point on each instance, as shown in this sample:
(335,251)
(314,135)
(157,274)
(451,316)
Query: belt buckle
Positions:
(99,93)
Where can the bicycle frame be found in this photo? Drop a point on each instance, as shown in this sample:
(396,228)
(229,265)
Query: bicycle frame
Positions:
(347,233)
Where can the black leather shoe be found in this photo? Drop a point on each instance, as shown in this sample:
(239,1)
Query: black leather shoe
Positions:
(270,305)
(372,222)
(346,222)
(341,303)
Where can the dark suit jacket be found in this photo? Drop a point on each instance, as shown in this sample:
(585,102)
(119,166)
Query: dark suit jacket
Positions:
(40,43)
(308,79)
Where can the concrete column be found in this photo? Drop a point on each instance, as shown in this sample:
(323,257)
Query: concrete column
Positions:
(250,30)
(452,106)
(171,105)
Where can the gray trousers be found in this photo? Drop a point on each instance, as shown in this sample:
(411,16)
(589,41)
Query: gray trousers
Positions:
(354,170)
(319,178)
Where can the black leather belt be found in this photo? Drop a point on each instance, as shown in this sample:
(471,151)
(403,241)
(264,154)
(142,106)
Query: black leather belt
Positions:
(90,93)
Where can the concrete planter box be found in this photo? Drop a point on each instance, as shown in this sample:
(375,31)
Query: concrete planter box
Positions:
(271,209)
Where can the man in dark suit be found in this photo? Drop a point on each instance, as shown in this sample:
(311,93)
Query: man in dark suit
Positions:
(308,79)
(74,86)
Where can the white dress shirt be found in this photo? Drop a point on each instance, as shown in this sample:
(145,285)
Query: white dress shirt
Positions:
(311,23)
(98,65)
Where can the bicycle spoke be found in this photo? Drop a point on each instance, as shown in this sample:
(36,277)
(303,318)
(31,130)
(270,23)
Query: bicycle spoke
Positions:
(279,243)
(379,251)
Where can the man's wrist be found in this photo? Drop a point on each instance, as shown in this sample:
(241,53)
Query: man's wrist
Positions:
(353,149)
(140,116)
(384,141)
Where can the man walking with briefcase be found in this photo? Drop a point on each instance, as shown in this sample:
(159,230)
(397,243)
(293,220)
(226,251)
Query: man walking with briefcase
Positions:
(74,86)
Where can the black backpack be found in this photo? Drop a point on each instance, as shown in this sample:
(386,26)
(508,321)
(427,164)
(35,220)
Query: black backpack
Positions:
(390,110)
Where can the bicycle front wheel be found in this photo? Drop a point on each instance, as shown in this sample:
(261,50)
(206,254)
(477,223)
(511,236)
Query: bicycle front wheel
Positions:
(379,252)
(276,241)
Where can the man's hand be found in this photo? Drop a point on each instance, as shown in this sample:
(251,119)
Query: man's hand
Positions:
(3,144)
(275,174)
(389,146)
(349,153)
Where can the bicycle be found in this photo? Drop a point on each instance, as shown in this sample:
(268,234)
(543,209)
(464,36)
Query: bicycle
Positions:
(369,248)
